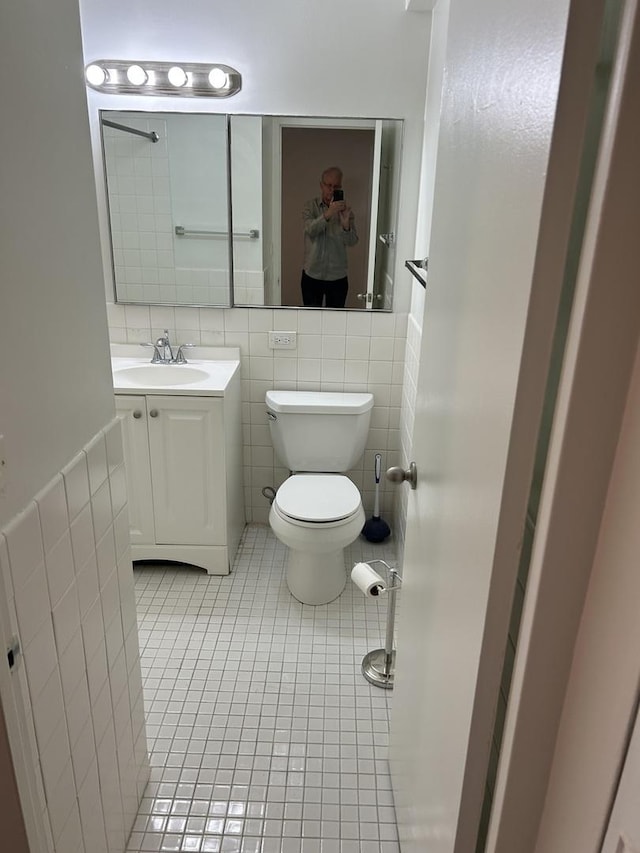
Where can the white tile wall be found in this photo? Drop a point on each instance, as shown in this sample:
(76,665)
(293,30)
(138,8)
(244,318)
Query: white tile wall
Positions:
(407,416)
(336,351)
(140,205)
(68,596)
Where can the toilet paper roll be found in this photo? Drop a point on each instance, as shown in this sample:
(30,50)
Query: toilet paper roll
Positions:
(366,579)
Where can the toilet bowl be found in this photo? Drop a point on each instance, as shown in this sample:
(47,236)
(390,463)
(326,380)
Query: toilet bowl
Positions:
(317,511)
(316,516)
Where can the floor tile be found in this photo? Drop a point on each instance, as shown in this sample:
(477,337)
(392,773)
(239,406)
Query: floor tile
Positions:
(263,734)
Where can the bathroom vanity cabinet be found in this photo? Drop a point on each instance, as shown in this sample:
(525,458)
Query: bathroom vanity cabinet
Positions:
(183,459)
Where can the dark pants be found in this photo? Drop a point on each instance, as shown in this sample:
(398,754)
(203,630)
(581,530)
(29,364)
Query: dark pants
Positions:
(314,290)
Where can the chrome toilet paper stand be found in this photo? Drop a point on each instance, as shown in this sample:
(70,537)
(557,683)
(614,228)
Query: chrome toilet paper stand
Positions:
(378,666)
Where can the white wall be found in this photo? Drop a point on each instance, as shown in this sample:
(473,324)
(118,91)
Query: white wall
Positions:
(54,373)
(74,698)
(374,65)
(337,351)
(55,387)
(367,58)
(364,58)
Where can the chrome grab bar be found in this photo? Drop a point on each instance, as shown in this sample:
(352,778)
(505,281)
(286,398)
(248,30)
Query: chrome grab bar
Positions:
(181,231)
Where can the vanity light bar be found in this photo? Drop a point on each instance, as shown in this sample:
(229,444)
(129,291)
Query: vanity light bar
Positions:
(186,79)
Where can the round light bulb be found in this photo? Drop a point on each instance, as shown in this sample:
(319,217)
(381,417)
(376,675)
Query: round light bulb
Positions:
(136,75)
(218,78)
(96,75)
(177,76)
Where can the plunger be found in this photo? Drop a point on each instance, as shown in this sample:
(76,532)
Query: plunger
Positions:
(376,529)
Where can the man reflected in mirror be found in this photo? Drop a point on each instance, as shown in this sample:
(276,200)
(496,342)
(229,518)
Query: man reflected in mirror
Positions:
(329,229)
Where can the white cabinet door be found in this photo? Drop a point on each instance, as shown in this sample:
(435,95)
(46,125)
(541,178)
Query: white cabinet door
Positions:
(186,442)
(132,413)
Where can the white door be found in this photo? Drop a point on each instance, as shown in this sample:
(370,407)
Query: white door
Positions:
(492,159)
(187,463)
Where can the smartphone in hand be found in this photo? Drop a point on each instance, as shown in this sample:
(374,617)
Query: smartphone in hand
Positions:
(338,195)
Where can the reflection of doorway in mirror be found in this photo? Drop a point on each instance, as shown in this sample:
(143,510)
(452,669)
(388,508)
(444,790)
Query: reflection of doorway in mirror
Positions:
(306,153)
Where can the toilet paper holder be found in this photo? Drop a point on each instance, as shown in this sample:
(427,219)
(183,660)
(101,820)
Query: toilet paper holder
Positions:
(378,666)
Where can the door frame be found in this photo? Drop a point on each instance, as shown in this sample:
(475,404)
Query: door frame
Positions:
(599,358)
(596,371)
(279,124)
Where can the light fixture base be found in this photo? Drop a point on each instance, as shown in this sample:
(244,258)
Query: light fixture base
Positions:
(158,81)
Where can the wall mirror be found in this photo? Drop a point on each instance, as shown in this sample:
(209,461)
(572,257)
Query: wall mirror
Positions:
(207,209)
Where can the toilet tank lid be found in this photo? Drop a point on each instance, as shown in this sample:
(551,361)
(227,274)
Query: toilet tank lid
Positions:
(320,402)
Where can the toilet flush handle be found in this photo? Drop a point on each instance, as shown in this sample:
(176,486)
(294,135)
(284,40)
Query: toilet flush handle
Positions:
(399,475)
(271,416)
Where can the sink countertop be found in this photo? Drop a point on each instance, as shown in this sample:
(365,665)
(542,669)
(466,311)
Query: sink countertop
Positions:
(218,376)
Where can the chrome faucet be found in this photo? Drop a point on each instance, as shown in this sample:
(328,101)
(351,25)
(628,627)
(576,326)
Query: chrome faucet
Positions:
(179,356)
(163,351)
(164,348)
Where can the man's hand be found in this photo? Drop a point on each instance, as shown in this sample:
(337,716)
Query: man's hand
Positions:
(345,217)
(335,208)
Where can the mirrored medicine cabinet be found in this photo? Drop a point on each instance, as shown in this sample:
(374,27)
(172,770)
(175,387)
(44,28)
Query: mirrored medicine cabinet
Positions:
(206,209)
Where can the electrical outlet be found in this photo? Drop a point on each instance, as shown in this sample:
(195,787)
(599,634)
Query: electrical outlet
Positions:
(282,340)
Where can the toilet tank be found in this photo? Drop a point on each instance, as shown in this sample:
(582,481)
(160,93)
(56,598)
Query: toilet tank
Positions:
(318,430)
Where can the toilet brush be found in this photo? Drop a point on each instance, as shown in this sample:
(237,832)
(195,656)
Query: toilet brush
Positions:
(376,529)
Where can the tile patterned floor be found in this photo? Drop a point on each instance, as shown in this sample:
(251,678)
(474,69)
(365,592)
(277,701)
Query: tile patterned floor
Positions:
(264,736)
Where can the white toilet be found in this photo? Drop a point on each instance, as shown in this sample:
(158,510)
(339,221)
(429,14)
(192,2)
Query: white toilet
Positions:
(318,511)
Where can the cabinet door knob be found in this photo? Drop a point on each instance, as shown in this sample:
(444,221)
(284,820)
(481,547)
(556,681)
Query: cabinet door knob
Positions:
(137,414)
(153,413)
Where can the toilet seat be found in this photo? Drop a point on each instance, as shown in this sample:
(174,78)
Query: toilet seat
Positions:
(318,499)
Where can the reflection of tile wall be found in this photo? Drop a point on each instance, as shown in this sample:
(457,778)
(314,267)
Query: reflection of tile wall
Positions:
(69,597)
(196,286)
(248,287)
(142,225)
(337,351)
(140,209)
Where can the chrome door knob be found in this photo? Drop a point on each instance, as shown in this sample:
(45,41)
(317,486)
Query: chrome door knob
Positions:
(137,414)
(399,475)
(154,413)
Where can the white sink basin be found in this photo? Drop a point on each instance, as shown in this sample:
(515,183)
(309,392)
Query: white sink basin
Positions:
(200,377)
(161,375)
